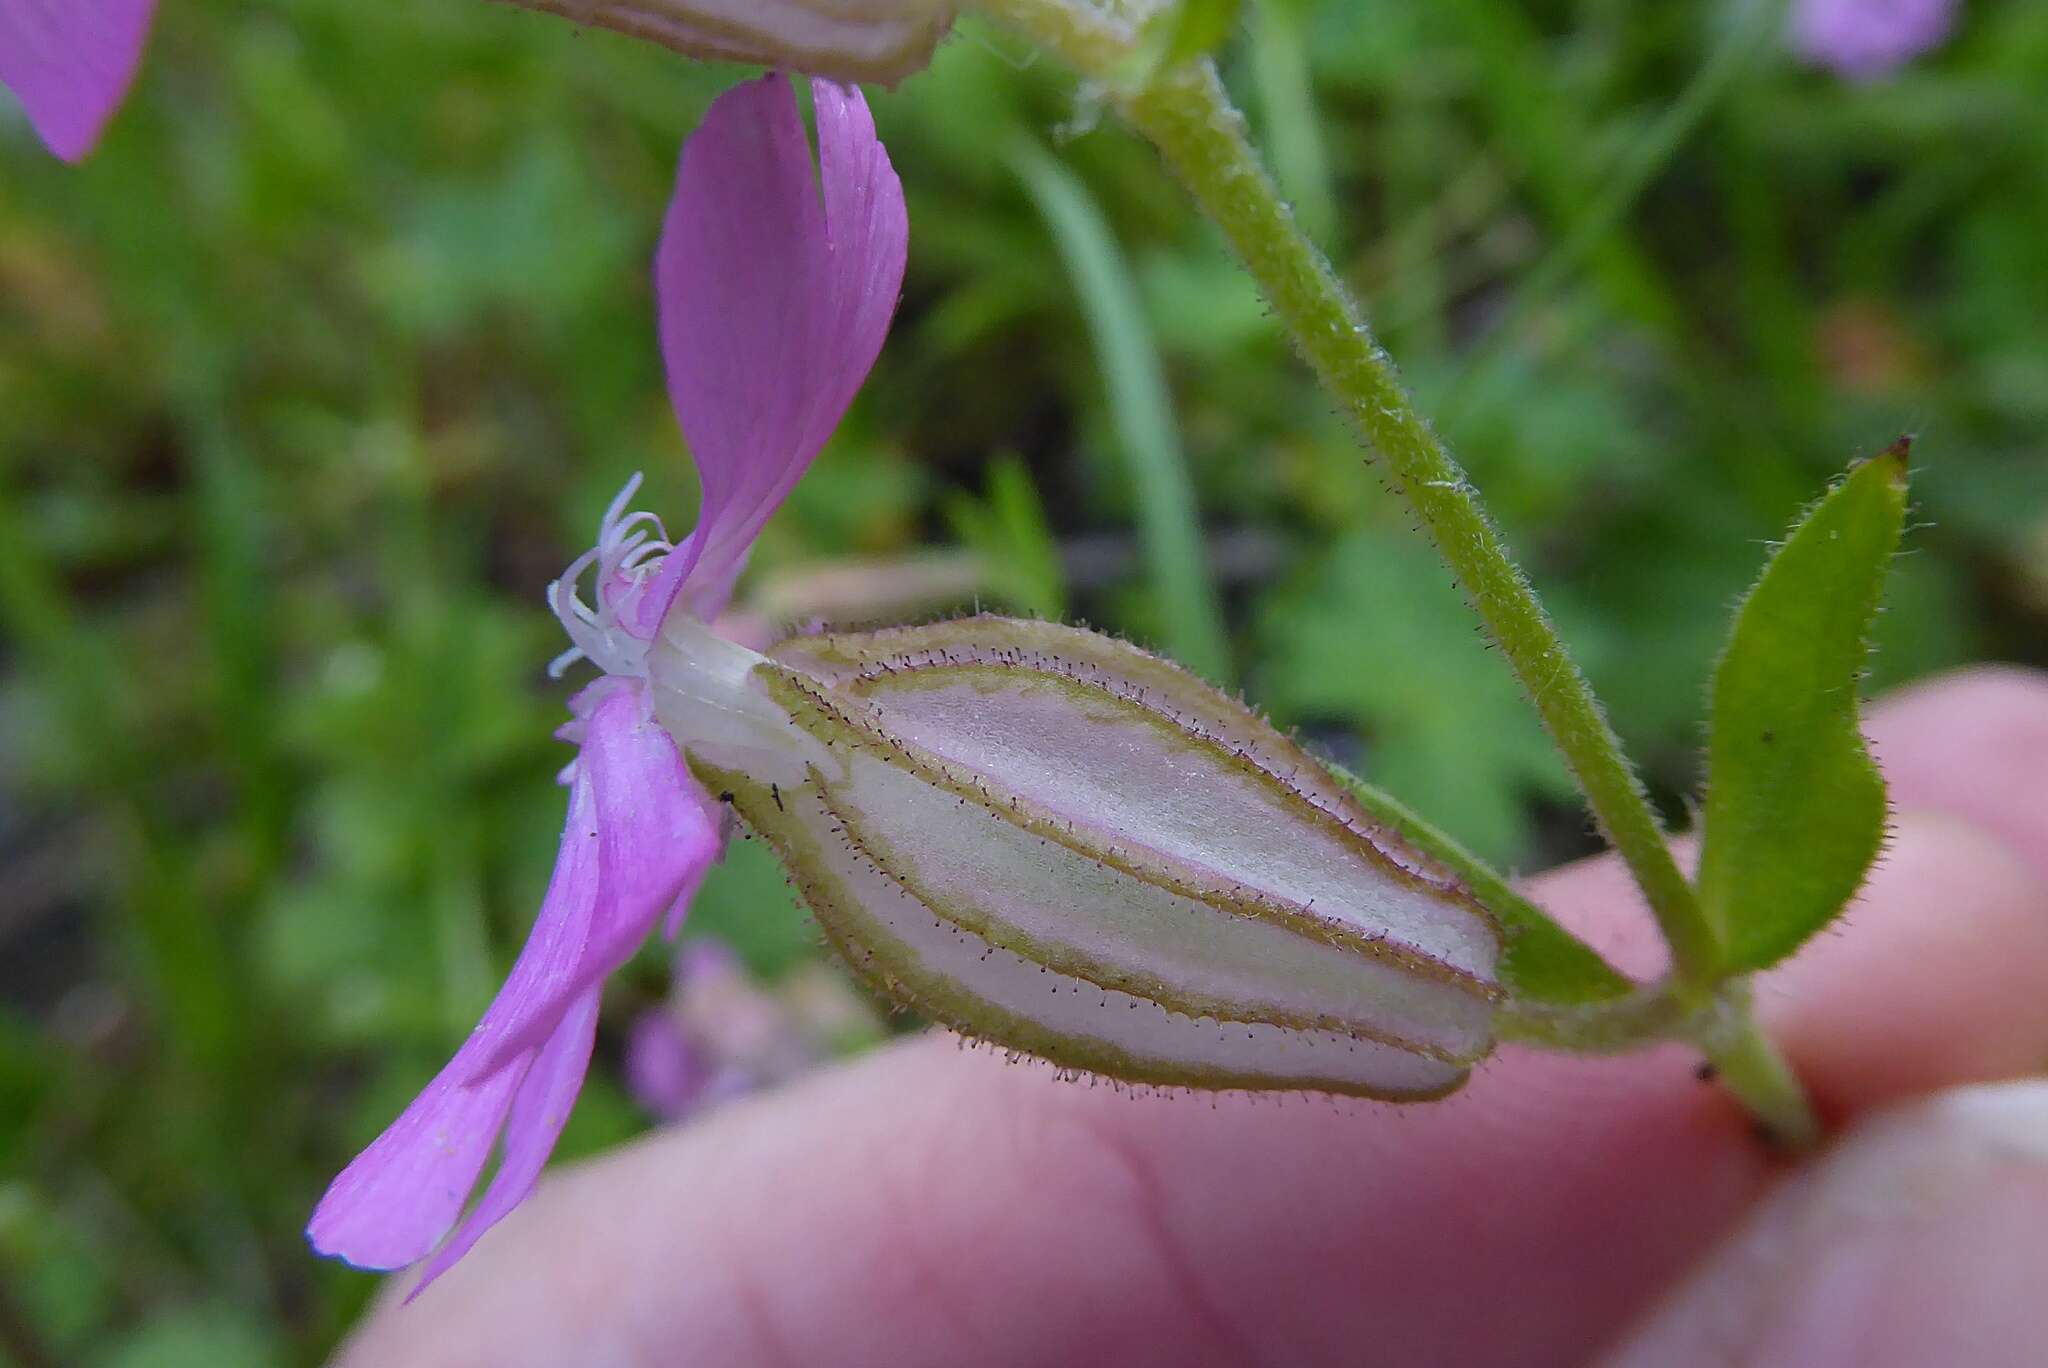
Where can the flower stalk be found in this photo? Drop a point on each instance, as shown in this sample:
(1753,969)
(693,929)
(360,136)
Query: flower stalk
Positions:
(1186,113)
(1184,110)
(1755,1071)
(1722,1027)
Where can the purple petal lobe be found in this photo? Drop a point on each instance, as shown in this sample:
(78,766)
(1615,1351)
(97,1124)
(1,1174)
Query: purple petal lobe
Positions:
(539,1111)
(656,830)
(638,830)
(776,285)
(70,62)
(395,1201)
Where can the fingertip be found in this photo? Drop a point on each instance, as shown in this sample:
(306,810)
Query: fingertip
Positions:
(926,1204)
(1916,1240)
(1974,743)
(1931,978)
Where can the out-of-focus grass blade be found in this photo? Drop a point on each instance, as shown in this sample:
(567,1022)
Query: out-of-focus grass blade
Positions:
(1280,73)
(1006,528)
(1795,807)
(1142,409)
(1589,235)
(1196,28)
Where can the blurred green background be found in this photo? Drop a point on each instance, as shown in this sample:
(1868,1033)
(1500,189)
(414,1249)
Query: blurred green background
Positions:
(327,361)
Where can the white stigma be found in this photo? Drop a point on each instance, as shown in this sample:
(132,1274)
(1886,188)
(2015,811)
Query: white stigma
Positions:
(629,551)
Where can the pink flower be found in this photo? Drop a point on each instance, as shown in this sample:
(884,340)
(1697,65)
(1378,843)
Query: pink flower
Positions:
(1862,40)
(776,285)
(70,62)
(704,1044)
(723,1034)
(667,1071)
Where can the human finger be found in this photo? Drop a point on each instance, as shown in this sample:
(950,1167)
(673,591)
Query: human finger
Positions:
(1919,1239)
(929,1205)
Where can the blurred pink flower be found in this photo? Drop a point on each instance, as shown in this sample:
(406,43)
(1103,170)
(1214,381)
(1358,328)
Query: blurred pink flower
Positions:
(668,1072)
(682,1056)
(70,62)
(1863,40)
(775,284)
(723,1034)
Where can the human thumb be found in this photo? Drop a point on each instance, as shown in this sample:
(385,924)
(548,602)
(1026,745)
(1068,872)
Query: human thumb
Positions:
(1920,1238)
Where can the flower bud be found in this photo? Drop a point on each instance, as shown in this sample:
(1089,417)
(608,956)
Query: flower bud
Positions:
(845,40)
(1052,841)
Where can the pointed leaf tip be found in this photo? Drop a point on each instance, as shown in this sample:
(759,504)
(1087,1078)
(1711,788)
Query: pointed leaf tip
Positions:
(1795,808)
(1898,456)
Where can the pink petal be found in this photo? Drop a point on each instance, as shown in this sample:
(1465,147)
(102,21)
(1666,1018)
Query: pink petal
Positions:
(638,831)
(539,1111)
(679,910)
(396,1200)
(70,62)
(657,832)
(774,302)
(659,829)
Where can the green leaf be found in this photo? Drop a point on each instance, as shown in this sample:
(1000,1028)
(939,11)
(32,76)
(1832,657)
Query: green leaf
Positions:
(1544,962)
(1795,808)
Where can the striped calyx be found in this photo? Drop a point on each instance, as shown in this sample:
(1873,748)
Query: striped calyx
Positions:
(1052,841)
(843,40)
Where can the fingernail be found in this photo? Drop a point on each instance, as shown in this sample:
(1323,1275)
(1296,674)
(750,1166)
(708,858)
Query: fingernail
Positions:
(1919,1239)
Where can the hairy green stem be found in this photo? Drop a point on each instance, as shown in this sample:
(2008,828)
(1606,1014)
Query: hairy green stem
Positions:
(1652,1012)
(1721,1027)
(1754,1069)
(1185,111)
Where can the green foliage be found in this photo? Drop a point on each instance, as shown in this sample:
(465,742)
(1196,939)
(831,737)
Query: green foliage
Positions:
(201,1337)
(1006,527)
(1375,637)
(1188,29)
(747,903)
(1289,122)
(329,358)
(1795,808)
(1143,411)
